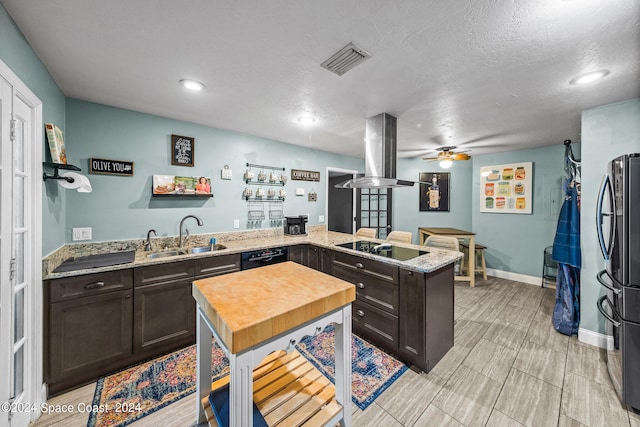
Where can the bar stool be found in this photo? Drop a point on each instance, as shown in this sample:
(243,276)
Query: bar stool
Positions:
(481,266)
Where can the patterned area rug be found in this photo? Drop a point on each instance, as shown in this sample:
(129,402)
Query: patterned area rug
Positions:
(143,389)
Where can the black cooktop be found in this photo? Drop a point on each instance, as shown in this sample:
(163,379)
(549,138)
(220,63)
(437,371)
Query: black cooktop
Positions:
(384,249)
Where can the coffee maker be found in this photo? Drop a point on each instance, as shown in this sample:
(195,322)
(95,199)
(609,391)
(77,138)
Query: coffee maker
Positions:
(296,225)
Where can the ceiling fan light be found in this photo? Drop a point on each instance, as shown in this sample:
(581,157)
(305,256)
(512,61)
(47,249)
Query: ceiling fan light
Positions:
(445,164)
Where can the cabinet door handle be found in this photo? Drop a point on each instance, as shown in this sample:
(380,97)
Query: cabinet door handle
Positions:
(94,285)
(127,296)
(360,285)
(360,313)
(359,265)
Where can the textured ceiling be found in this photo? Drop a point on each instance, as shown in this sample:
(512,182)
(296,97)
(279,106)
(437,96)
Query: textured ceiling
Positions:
(483,75)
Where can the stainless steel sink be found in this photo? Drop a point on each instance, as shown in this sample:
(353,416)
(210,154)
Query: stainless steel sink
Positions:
(163,254)
(201,249)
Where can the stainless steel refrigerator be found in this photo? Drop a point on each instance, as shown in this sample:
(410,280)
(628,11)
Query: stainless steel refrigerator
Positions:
(618,226)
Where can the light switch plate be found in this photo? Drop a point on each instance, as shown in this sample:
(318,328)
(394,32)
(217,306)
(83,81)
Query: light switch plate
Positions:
(320,218)
(299,191)
(236,223)
(81,234)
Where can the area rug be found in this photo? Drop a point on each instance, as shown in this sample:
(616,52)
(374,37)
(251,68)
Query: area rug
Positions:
(145,388)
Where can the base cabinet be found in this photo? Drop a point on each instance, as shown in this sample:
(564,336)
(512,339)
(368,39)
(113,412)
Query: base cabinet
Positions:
(98,323)
(87,327)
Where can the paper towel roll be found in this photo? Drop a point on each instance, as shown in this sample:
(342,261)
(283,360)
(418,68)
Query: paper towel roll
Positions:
(80,182)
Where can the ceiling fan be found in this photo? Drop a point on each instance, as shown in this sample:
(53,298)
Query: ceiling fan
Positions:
(446,156)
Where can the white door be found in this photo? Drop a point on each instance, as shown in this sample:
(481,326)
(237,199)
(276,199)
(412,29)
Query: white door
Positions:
(20,249)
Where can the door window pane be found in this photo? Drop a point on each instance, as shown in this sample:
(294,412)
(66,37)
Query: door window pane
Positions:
(18,316)
(18,371)
(19,242)
(19,201)
(18,150)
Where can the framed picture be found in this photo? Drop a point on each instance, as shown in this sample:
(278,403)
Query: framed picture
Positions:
(182,150)
(434,191)
(507,188)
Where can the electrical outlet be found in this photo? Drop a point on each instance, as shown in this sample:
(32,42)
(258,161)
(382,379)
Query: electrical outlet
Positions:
(236,223)
(81,233)
(320,218)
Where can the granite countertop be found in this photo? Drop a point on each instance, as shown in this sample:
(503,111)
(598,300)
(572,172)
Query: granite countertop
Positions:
(235,242)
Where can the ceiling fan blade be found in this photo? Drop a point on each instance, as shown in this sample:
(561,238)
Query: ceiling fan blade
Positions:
(429,158)
(460,156)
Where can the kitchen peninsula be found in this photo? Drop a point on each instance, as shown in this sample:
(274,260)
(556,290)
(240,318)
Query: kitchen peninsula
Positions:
(146,309)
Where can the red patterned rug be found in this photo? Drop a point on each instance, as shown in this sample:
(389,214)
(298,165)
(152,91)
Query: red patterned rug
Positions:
(143,389)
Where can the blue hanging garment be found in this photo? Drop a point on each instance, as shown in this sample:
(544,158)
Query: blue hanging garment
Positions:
(566,313)
(566,252)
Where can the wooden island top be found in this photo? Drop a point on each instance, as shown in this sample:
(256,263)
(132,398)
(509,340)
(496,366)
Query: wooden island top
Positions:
(251,306)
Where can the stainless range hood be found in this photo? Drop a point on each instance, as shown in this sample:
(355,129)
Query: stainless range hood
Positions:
(380,156)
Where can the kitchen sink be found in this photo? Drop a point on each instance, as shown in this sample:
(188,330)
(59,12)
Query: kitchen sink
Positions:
(164,254)
(201,249)
(176,252)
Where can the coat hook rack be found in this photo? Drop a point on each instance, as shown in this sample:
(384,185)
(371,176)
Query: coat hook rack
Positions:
(56,168)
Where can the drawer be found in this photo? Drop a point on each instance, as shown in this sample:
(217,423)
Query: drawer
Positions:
(375,268)
(90,284)
(375,325)
(181,270)
(371,289)
(216,265)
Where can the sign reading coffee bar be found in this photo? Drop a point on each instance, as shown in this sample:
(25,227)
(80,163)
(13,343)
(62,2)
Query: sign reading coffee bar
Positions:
(301,175)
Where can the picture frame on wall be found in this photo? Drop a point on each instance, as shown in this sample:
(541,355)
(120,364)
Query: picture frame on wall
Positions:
(434,191)
(182,150)
(507,188)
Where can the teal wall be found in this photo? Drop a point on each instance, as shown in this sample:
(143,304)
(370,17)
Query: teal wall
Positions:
(516,242)
(122,207)
(607,132)
(16,53)
(406,208)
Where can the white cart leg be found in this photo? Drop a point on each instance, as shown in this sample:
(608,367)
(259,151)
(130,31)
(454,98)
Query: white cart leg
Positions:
(241,389)
(203,363)
(343,365)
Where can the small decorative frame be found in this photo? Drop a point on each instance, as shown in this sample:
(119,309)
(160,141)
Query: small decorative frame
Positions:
(434,191)
(182,150)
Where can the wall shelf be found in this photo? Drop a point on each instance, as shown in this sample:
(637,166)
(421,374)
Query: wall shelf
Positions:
(181,196)
(56,168)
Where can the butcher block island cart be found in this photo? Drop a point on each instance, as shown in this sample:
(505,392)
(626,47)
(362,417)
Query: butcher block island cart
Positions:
(253,315)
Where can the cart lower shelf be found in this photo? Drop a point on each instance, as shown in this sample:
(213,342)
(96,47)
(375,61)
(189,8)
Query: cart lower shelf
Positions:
(288,391)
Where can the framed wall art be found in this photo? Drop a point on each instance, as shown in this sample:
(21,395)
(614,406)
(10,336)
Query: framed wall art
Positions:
(434,191)
(182,150)
(507,188)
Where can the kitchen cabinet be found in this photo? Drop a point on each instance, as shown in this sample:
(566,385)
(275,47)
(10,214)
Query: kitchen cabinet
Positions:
(297,253)
(426,316)
(87,327)
(164,311)
(98,323)
(375,311)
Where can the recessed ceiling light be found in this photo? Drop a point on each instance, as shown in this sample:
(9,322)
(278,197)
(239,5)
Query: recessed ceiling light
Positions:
(306,120)
(589,77)
(191,84)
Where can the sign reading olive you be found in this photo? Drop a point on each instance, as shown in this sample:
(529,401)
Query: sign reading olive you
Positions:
(182,148)
(110,167)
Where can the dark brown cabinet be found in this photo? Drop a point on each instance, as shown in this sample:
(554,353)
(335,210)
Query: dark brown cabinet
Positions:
(87,327)
(164,310)
(98,323)
(375,311)
(426,316)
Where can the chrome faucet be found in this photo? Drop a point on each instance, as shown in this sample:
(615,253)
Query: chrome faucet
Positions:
(147,243)
(183,242)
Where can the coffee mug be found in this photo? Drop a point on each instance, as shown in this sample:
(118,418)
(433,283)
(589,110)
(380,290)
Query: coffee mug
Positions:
(247,192)
(262,176)
(249,175)
(282,194)
(260,192)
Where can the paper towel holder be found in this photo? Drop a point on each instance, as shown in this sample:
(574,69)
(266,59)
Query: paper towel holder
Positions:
(56,167)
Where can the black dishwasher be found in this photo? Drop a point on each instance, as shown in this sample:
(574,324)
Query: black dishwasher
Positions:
(262,257)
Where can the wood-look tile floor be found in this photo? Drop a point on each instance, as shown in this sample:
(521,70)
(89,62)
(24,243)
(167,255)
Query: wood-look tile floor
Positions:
(508,367)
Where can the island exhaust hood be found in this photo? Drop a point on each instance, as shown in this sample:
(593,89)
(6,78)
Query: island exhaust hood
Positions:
(380,156)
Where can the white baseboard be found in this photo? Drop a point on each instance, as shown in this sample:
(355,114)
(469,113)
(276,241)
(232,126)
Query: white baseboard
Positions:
(530,280)
(595,338)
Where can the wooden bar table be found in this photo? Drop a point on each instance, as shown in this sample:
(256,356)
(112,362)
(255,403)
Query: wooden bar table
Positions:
(254,312)
(424,232)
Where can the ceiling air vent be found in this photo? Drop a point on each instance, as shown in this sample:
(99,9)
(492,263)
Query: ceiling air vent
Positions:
(345,59)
